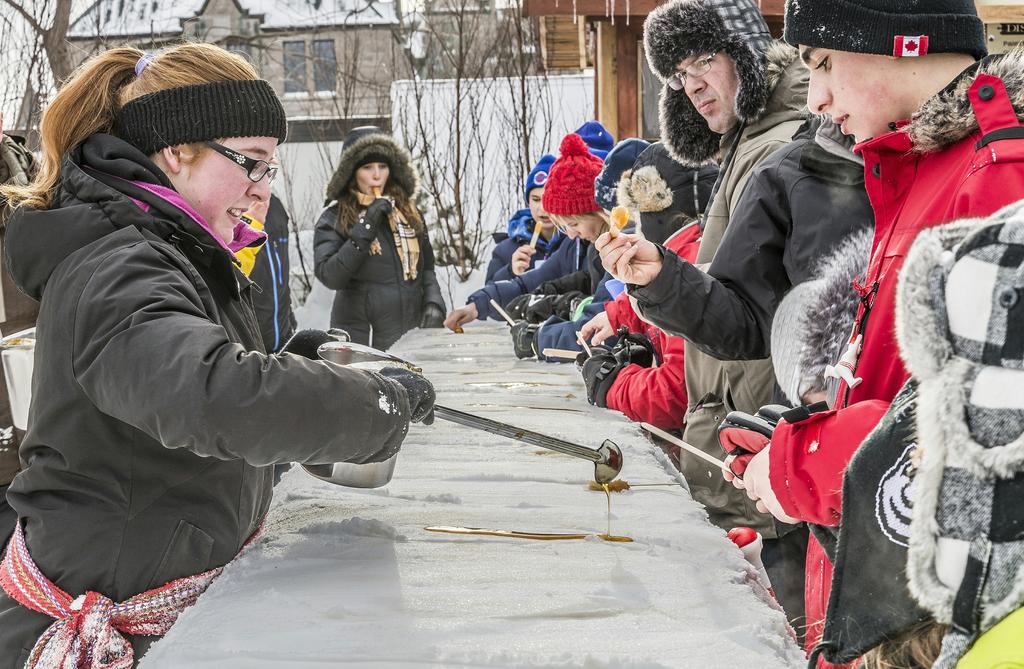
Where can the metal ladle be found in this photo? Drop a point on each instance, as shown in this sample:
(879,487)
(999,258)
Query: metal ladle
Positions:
(607,459)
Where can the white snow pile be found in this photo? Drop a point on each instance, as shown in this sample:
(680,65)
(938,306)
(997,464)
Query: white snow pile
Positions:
(349,577)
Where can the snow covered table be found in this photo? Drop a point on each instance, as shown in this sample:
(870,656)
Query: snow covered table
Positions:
(349,577)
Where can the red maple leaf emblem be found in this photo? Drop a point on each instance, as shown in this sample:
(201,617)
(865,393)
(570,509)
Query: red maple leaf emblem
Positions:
(911,46)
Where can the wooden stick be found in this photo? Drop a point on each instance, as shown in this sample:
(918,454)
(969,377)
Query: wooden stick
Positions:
(536,236)
(683,445)
(504,314)
(560,353)
(586,347)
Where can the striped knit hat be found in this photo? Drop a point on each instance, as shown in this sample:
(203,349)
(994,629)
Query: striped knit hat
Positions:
(570,186)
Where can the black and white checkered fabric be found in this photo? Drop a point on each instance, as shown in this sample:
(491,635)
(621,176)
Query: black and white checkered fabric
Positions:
(985,296)
(743,18)
(966,557)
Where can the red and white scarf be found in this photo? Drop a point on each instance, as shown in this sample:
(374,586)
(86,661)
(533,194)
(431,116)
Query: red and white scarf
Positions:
(88,630)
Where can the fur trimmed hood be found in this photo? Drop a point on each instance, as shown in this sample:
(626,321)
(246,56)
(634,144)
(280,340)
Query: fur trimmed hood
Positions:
(948,117)
(686,133)
(813,322)
(959,311)
(375,142)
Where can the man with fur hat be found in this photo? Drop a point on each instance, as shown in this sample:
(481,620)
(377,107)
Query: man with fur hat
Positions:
(730,91)
(941,139)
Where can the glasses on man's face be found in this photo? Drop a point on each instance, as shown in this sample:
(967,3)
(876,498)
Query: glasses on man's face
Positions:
(697,68)
(256,169)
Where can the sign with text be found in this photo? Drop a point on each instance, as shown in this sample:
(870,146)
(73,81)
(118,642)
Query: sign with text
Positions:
(1004,36)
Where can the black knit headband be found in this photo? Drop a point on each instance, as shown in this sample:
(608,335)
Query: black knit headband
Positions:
(237,108)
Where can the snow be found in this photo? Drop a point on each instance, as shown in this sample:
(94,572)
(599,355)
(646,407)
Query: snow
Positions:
(349,576)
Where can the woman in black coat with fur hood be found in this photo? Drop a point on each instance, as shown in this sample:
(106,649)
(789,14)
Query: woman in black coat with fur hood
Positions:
(371,245)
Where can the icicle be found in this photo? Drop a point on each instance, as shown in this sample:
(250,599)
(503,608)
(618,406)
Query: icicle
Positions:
(627,12)
(612,13)
(575,18)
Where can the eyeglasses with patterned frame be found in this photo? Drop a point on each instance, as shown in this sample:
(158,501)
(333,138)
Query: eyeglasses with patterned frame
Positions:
(697,68)
(255,169)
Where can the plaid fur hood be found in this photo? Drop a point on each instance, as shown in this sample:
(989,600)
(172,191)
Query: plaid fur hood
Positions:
(960,325)
(948,117)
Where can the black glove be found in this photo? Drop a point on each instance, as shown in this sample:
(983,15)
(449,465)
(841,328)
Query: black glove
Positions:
(579,280)
(523,335)
(378,212)
(516,308)
(634,348)
(362,234)
(419,391)
(541,308)
(566,303)
(599,372)
(583,356)
(433,316)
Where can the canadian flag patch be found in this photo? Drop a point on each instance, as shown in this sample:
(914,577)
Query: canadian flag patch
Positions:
(910,46)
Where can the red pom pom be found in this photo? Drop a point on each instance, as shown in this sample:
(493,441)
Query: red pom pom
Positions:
(741,536)
(573,145)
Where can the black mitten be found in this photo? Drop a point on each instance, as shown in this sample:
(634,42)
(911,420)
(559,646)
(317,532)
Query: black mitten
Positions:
(419,391)
(634,348)
(523,336)
(516,308)
(565,304)
(541,308)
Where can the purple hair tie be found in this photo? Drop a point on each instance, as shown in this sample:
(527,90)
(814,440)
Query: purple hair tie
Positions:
(143,61)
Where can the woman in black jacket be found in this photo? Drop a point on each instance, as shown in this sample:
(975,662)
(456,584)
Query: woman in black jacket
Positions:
(156,412)
(371,245)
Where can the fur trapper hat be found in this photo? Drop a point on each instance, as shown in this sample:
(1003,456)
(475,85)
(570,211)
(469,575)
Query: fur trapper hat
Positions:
(960,325)
(683,29)
(369,143)
(664,193)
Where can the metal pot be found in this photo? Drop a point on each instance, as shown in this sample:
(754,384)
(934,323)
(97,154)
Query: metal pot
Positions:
(369,475)
(18,354)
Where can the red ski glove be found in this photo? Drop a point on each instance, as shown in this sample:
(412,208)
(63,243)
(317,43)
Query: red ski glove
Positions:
(744,435)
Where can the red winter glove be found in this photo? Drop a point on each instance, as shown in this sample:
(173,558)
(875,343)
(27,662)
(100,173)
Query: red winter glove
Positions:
(743,436)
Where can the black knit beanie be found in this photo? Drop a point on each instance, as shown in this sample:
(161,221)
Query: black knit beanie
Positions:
(887,27)
(186,114)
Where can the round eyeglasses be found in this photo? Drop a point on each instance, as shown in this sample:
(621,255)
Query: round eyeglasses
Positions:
(698,68)
(256,169)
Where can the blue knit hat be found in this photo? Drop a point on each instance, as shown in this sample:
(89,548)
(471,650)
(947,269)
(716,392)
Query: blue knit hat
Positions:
(619,159)
(538,175)
(597,138)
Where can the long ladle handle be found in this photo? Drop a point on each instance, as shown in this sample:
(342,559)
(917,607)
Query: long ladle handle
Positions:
(519,434)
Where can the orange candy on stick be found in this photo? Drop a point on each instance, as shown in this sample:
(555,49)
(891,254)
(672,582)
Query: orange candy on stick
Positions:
(620,217)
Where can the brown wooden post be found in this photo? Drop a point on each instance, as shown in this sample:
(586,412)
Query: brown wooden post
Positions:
(606,81)
(628,90)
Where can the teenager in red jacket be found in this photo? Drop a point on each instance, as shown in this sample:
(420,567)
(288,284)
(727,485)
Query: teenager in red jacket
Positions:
(941,140)
(655,395)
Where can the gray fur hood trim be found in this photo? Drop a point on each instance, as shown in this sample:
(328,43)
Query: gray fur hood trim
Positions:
(399,160)
(813,322)
(685,132)
(948,117)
